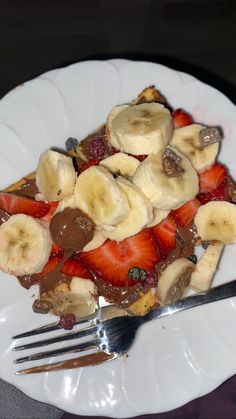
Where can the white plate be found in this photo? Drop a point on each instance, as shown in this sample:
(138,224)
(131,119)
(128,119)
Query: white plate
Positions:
(173,360)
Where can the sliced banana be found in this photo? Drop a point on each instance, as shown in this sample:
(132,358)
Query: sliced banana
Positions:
(79,297)
(202,277)
(158,216)
(55,176)
(140,129)
(174,280)
(216,220)
(99,196)
(163,191)
(68,201)
(97,241)
(140,214)
(122,164)
(111,135)
(186,140)
(25,245)
(144,304)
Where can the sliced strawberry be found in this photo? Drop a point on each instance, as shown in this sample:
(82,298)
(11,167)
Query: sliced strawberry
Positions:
(164,233)
(185,214)
(19,204)
(74,267)
(219,194)
(91,162)
(212,178)
(52,208)
(50,265)
(113,260)
(181,118)
(56,250)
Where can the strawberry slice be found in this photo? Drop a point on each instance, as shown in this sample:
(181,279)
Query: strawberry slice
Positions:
(56,250)
(185,214)
(181,118)
(72,267)
(219,194)
(91,162)
(212,178)
(50,265)
(164,233)
(19,204)
(52,208)
(113,260)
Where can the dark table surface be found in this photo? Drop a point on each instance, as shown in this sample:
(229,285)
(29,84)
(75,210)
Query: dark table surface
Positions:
(195,36)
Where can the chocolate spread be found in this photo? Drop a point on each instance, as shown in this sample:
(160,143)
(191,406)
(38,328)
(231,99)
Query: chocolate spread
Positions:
(4,216)
(27,281)
(29,188)
(71,229)
(52,279)
(82,361)
(120,296)
(185,243)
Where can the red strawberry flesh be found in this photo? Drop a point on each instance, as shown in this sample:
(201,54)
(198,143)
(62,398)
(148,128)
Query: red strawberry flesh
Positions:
(181,118)
(186,213)
(164,233)
(113,260)
(91,162)
(212,178)
(219,194)
(19,204)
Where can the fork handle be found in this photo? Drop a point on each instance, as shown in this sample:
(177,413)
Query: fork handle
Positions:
(220,292)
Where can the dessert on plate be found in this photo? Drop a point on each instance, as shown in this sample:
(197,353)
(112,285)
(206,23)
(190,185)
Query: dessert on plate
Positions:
(119,214)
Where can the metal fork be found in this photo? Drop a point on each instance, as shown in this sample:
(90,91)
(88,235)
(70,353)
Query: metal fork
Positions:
(111,338)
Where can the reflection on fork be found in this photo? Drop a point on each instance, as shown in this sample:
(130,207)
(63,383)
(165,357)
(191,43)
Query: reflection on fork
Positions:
(113,334)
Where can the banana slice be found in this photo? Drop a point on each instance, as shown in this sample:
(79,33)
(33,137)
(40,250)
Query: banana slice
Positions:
(97,241)
(216,220)
(79,297)
(202,277)
(122,164)
(55,176)
(158,216)
(144,304)
(140,129)
(186,140)
(174,280)
(25,245)
(68,201)
(112,138)
(140,214)
(163,191)
(99,196)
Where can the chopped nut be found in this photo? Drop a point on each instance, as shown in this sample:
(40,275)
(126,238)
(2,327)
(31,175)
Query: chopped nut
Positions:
(209,135)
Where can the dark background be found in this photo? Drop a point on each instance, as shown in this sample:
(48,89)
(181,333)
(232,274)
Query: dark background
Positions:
(194,36)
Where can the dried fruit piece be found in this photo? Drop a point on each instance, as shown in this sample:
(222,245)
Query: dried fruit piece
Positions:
(67,321)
